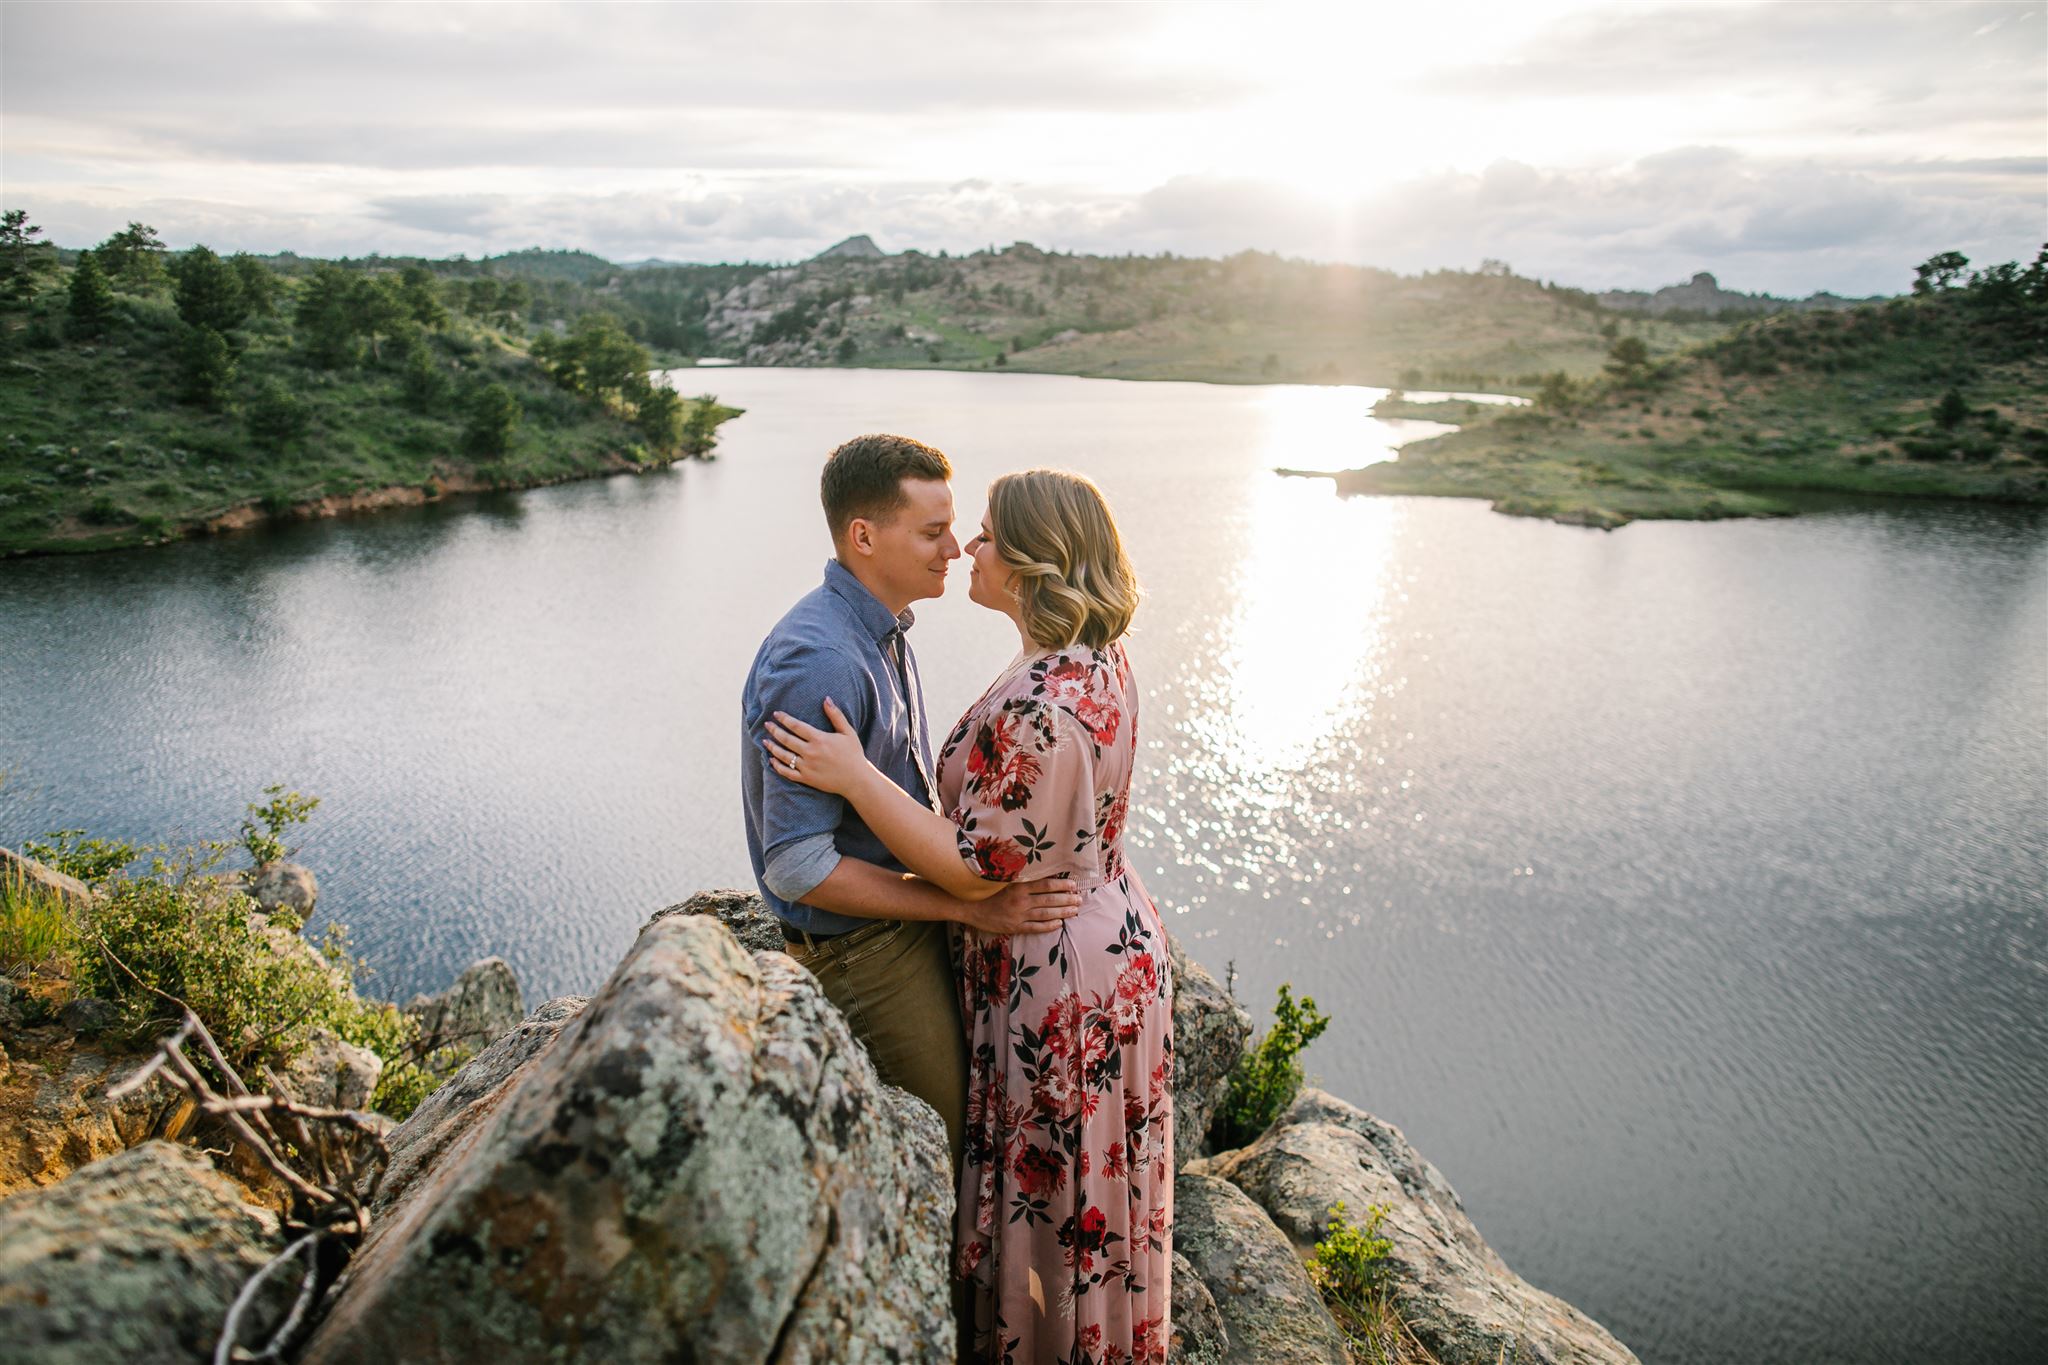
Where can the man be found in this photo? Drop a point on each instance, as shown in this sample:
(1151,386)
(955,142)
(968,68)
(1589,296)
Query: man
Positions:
(873,935)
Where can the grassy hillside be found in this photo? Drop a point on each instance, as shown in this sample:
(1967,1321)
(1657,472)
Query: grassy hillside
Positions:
(121,430)
(1942,394)
(1252,318)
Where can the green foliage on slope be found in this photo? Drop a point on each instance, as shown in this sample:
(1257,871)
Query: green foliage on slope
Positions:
(1943,393)
(147,395)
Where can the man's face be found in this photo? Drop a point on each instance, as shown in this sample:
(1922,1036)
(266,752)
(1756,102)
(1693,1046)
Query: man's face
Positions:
(908,554)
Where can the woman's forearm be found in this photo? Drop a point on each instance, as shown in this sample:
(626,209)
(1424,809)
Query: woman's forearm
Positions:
(926,842)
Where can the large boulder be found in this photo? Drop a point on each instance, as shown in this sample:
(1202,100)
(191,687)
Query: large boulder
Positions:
(703,1166)
(460,1104)
(1210,1029)
(1199,1336)
(1209,1034)
(743,912)
(134,1258)
(1271,1314)
(484,1002)
(284,886)
(1452,1290)
(330,1072)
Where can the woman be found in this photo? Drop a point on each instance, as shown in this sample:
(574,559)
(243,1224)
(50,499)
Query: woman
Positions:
(1066,1185)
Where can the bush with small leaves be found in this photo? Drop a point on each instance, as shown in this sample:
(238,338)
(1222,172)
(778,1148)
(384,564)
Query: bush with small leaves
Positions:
(1268,1076)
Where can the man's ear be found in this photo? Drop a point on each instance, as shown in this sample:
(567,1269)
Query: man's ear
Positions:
(860,536)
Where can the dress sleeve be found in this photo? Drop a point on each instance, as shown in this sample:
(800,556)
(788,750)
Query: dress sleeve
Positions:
(1027,807)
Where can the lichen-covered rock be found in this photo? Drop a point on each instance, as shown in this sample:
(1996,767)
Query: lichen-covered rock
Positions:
(330,1072)
(10,1003)
(88,1014)
(485,1001)
(1209,1034)
(743,912)
(15,868)
(134,1258)
(55,1115)
(284,886)
(1199,1336)
(1271,1313)
(463,1101)
(704,1166)
(1454,1292)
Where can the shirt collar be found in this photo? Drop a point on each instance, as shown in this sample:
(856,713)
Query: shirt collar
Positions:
(867,607)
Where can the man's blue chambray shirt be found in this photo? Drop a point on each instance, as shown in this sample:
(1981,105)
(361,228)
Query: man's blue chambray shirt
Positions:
(838,641)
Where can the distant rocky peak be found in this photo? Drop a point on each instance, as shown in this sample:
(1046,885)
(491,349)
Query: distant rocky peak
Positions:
(861,248)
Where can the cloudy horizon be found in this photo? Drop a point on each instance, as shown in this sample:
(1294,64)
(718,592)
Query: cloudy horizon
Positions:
(1786,148)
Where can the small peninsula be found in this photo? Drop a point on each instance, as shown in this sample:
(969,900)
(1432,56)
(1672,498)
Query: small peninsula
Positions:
(150,396)
(1943,393)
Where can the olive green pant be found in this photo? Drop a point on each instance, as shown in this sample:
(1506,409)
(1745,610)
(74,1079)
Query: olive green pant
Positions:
(893,980)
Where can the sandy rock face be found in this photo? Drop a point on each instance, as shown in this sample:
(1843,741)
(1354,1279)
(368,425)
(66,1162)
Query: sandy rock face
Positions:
(1457,1296)
(134,1258)
(1209,1034)
(55,1115)
(702,1166)
(1271,1313)
(484,1002)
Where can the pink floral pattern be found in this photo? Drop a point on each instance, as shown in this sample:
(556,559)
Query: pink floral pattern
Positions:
(1066,1190)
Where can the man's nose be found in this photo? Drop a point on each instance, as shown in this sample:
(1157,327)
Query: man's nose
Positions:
(952,546)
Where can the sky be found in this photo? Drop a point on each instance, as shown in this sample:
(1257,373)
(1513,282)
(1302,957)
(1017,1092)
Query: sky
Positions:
(1785,147)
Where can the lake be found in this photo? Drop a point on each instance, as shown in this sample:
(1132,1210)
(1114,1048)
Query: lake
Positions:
(1679,890)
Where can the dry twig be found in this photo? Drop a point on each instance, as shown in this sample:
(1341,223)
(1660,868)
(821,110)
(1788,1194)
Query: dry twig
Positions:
(333,1164)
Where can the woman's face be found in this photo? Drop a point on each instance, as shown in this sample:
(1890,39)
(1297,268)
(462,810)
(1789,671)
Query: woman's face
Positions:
(990,580)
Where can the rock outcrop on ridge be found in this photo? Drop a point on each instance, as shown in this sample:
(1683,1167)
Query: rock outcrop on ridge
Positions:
(702,1166)
(700,1162)
(1452,1290)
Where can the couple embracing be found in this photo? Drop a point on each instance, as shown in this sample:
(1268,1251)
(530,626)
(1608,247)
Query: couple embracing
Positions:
(972,913)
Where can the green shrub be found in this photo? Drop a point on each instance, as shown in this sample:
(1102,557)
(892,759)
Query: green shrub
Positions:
(92,861)
(276,416)
(1267,1078)
(1350,1270)
(104,511)
(263,825)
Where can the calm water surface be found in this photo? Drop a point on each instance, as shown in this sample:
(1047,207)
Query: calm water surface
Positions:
(1679,890)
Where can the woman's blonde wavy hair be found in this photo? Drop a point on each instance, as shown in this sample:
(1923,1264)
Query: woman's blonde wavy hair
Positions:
(1074,582)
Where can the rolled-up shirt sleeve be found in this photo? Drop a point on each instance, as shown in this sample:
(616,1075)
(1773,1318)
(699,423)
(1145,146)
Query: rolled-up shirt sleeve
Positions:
(797,822)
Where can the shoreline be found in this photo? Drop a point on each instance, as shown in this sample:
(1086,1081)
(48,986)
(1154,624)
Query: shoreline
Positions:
(251,515)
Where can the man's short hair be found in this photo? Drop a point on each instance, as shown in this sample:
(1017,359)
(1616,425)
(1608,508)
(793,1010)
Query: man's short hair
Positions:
(864,478)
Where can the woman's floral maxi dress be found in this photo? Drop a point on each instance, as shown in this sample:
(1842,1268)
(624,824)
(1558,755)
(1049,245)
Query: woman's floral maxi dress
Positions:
(1066,1184)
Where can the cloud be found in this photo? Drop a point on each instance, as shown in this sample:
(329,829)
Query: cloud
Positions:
(1784,227)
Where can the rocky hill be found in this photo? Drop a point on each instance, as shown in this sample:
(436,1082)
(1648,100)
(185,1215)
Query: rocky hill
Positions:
(1940,394)
(699,1162)
(1246,319)
(1704,296)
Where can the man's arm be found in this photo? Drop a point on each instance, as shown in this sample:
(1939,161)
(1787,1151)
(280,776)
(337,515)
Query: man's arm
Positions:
(869,892)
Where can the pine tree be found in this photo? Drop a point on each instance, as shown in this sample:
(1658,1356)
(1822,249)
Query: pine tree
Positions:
(92,299)
(493,418)
(326,317)
(207,367)
(209,291)
(135,256)
(22,257)
(259,283)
